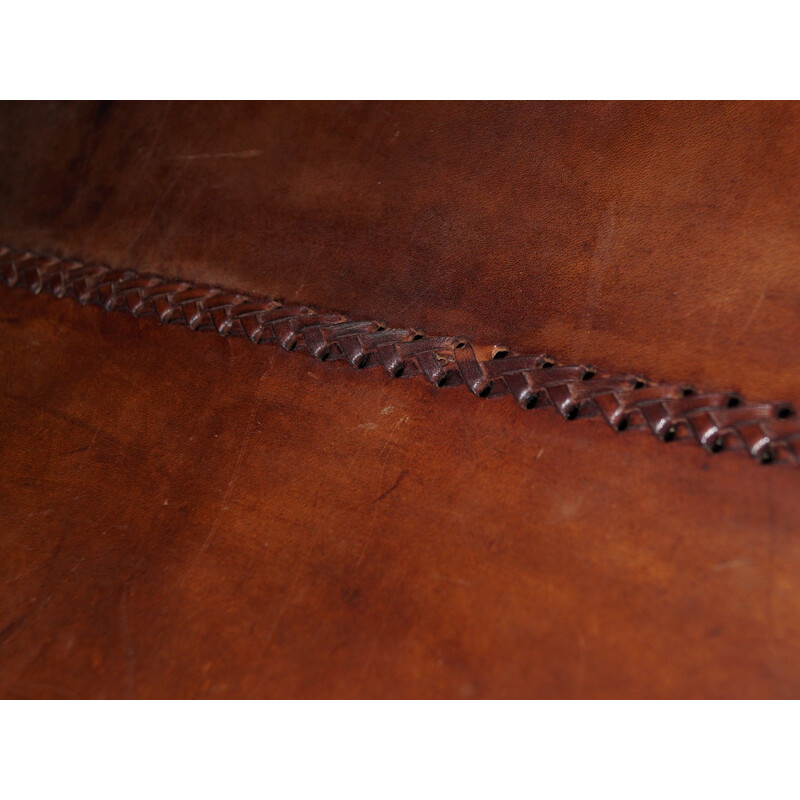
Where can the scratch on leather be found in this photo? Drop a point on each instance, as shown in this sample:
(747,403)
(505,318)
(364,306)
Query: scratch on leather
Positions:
(716,420)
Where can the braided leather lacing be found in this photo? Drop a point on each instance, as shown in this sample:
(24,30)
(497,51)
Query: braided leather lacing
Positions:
(717,420)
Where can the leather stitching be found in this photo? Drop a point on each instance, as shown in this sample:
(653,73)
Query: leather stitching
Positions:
(717,420)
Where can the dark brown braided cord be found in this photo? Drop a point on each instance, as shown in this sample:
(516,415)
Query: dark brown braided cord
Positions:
(717,420)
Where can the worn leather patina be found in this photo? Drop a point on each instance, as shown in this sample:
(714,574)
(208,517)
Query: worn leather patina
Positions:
(187,515)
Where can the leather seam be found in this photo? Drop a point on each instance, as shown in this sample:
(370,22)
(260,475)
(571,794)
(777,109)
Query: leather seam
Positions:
(716,420)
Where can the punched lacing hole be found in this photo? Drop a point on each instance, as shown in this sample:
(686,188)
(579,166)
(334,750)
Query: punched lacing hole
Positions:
(459,345)
(416,337)
(499,354)
(486,390)
(361,362)
(324,355)
(670,433)
(588,375)
(687,391)
(547,364)
(783,412)
(638,384)
(531,401)
(733,401)
(442,381)
(766,456)
(398,373)
(571,413)
(622,424)
(717,445)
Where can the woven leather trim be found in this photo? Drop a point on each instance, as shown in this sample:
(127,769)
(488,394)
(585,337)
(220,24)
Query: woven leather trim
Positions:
(716,420)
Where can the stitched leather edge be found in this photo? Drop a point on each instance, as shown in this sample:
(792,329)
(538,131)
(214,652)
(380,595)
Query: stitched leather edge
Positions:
(717,420)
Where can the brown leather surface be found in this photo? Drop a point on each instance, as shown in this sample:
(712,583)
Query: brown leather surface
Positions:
(657,238)
(186,515)
(183,515)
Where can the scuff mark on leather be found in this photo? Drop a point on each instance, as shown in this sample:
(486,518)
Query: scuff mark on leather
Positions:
(393,486)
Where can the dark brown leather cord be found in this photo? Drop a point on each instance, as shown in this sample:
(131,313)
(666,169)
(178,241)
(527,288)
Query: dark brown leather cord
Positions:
(716,420)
